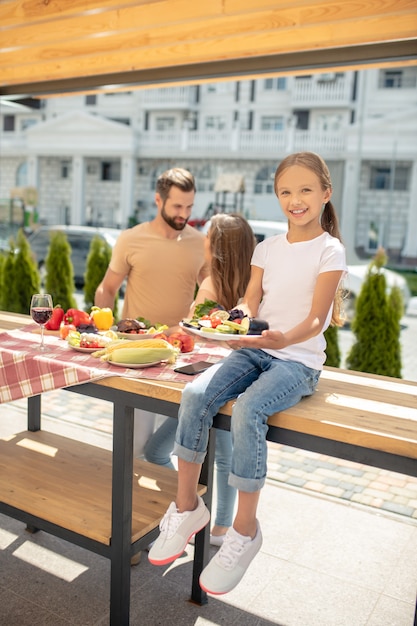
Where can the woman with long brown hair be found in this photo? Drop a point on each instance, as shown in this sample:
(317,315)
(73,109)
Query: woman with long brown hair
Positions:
(229,246)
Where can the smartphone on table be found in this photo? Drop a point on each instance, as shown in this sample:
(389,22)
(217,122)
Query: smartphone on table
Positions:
(193,368)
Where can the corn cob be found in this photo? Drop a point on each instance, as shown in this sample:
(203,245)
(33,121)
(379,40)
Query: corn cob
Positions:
(128,344)
(141,351)
(140,355)
(139,343)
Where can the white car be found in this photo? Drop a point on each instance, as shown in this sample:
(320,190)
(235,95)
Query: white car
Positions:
(355,279)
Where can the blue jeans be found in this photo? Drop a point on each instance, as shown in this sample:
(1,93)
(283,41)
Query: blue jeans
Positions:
(262,386)
(158,450)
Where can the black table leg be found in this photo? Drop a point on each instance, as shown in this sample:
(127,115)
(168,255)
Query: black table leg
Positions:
(202,539)
(34,413)
(121,514)
(34,424)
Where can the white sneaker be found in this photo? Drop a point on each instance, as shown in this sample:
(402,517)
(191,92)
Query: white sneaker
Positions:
(227,567)
(176,529)
(215,540)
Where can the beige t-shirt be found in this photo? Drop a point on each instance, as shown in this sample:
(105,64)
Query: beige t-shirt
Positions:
(161,273)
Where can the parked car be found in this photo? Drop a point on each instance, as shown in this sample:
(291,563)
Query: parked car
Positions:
(355,280)
(79,238)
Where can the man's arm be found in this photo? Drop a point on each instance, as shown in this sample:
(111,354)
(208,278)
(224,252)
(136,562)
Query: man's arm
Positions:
(107,289)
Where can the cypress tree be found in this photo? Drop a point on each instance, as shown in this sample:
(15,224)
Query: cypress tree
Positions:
(98,261)
(20,276)
(376,325)
(2,263)
(59,280)
(333,354)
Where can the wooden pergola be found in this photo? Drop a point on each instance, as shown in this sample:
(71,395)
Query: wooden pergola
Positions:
(60,46)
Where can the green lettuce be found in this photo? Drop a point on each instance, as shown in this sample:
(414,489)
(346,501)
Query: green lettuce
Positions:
(205,307)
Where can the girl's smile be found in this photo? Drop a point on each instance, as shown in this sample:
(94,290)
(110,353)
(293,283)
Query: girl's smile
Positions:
(301,196)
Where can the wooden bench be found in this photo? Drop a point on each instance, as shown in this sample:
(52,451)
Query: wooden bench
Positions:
(366,418)
(67,483)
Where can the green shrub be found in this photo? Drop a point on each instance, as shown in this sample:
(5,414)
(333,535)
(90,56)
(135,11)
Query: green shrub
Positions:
(333,353)
(97,263)
(9,298)
(376,325)
(18,265)
(20,276)
(59,280)
(2,263)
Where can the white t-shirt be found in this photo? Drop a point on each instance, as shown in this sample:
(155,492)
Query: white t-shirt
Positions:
(290,272)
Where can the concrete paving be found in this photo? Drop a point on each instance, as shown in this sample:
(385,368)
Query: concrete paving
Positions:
(340,544)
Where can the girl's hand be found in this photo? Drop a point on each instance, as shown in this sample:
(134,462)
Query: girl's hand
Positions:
(272,339)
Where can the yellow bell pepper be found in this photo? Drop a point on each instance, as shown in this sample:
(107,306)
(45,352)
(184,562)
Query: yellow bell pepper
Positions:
(102,318)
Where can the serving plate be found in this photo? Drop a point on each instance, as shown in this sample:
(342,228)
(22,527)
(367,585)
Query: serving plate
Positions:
(134,366)
(79,349)
(134,336)
(210,336)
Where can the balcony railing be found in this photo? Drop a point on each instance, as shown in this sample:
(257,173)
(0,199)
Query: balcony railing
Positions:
(169,97)
(330,90)
(238,143)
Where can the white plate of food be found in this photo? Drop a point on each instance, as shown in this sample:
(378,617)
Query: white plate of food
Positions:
(210,335)
(79,349)
(134,366)
(135,336)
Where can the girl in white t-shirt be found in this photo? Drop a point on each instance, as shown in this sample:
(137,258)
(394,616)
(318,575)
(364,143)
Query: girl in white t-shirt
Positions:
(294,286)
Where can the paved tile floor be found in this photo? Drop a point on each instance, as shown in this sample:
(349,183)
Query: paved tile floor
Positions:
(340,545)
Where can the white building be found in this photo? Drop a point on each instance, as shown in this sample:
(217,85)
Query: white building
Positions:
(95,158)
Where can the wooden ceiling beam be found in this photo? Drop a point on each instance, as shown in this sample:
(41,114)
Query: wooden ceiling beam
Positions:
(192,21)
(113,53)
(55,41)
(355,57)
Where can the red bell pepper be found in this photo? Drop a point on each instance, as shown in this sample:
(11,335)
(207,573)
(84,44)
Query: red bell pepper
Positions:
(76,317)
(56,319)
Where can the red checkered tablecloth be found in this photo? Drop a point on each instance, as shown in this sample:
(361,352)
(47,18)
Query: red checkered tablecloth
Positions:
(25,371)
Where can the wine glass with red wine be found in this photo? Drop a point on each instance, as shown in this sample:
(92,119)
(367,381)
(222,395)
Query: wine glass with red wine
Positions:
(41,311)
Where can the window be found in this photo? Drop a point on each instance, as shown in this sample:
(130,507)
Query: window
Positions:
(91,100)
(65,169)
(165,123)
(215,122)
(272,122)
(8,123)
(110,170)
(381,178)
(275,83)
(302,119)
(264,180)
(205,178)
(391,79)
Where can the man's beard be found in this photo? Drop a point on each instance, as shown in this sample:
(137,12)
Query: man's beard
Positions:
(171,221)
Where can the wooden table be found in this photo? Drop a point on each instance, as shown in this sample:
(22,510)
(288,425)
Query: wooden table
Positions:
(364,418)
